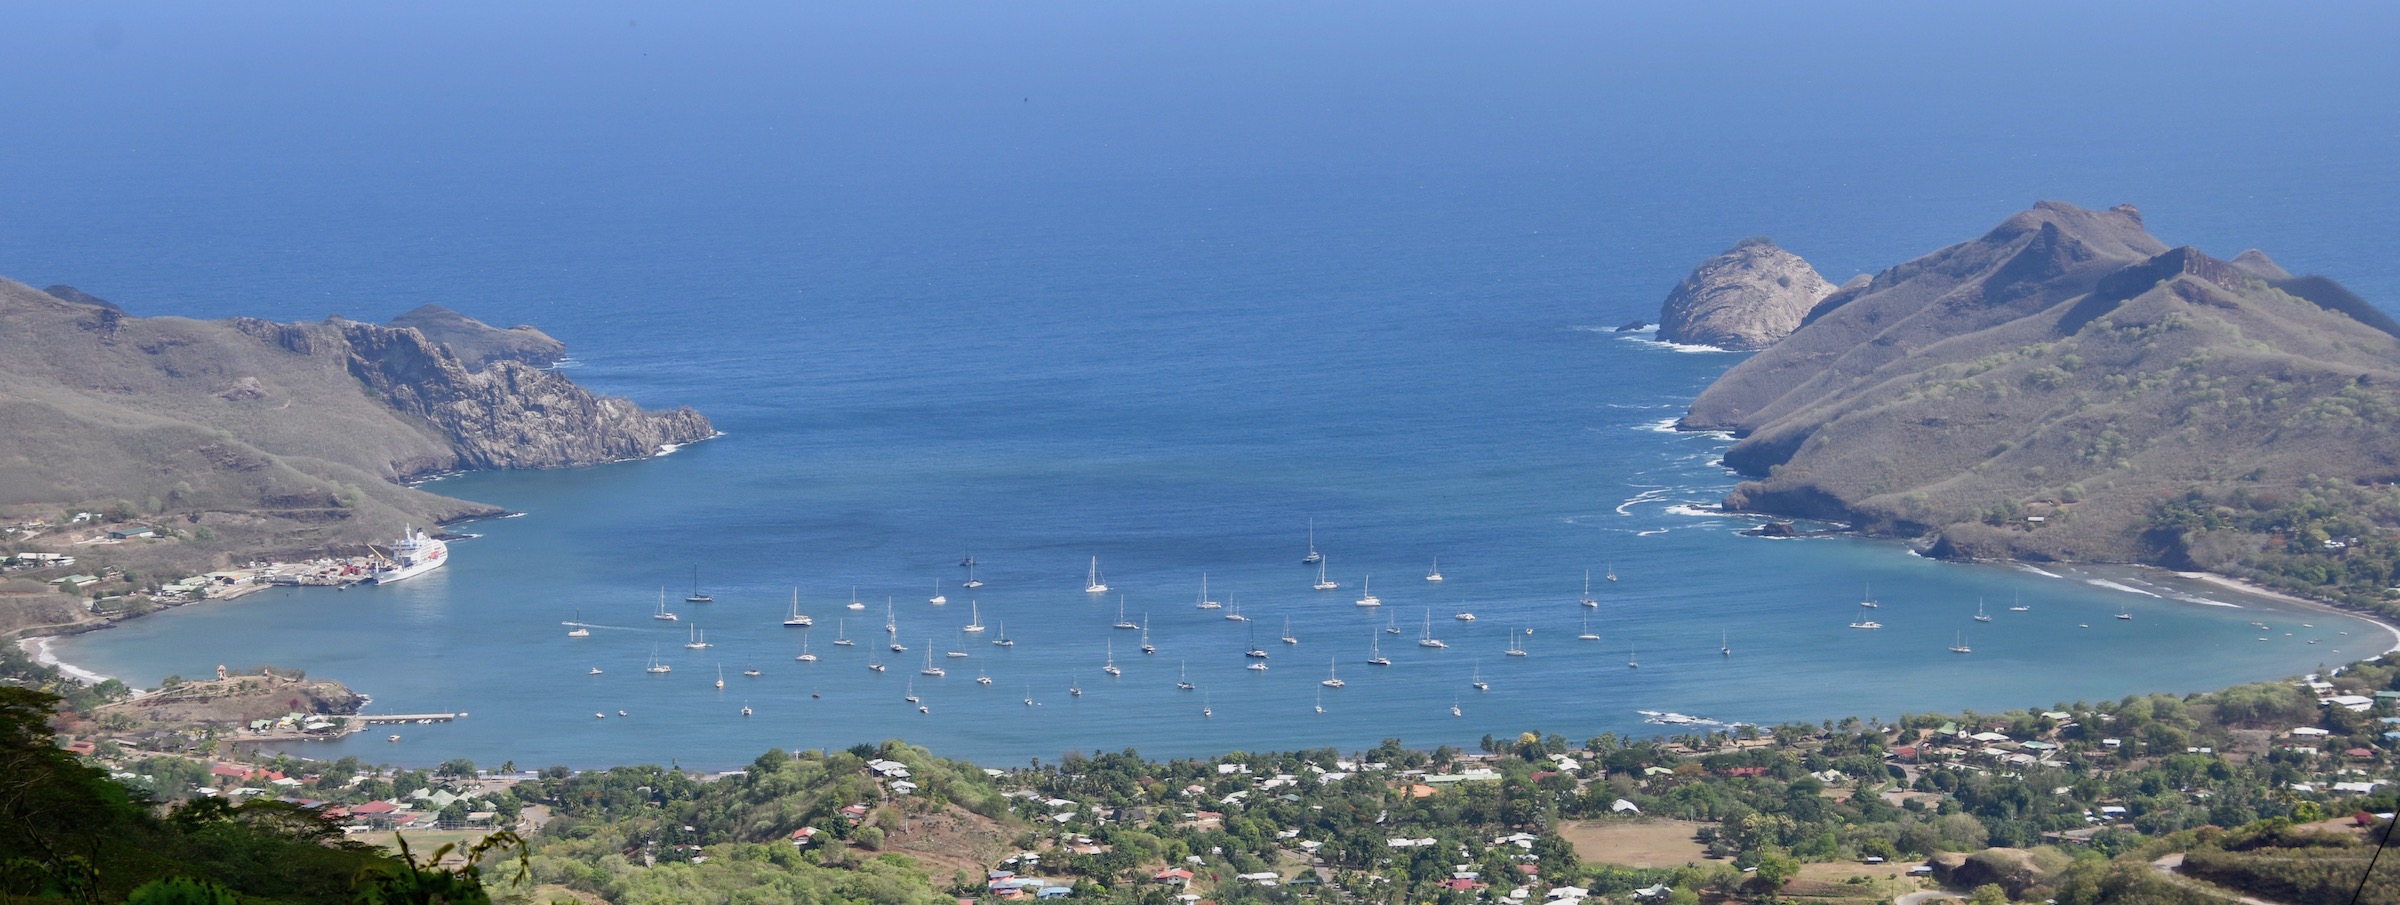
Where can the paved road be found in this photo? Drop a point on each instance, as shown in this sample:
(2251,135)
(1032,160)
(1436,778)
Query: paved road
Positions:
(1922,898)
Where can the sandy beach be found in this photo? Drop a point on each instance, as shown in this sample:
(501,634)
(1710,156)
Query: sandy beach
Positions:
(39,650)
(2236,584)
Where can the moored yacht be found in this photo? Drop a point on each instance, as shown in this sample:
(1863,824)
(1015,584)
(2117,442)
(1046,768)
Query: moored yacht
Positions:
(1367,593)
(795,619)
(1093,584)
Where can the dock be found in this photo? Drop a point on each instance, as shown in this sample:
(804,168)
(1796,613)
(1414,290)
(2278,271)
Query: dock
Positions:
(370,719)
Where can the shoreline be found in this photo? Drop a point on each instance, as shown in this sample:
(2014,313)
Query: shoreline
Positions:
(38,647)
(2231,583)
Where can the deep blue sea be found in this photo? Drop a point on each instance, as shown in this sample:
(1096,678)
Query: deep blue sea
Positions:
(1159,285)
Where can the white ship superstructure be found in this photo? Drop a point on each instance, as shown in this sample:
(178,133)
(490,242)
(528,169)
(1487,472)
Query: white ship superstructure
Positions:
(416,554)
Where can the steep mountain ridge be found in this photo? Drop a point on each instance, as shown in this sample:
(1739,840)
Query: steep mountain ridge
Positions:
(279,437)
(2036,392)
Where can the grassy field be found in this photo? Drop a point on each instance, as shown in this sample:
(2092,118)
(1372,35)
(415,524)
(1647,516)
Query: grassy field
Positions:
(1641,843)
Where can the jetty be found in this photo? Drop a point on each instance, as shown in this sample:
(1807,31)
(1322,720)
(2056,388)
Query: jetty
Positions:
(369,719)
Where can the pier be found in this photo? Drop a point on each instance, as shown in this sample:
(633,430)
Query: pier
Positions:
(372,719)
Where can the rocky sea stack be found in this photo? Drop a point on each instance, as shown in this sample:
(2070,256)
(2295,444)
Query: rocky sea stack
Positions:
(2068,387)
(1747,298)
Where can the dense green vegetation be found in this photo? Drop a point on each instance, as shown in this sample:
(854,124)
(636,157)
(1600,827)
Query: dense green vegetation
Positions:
(2323,537)
(68,833)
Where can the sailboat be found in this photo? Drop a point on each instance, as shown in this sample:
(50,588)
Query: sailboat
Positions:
(1182,681)
(841,635)
(662,614)
(1324,583)
(930,669)
(1147,647)
(1391,624)
(795,620)
(1093,584)
(1428,640)
(1463,616)
(1869,601)
(1479,684)
(1375,655)
(889,624)
(1367,593)
(974,625)
(1029,694)
(1961,647)
(1436,574)
(874,664)
(656,668)
(1454,711)
(1074,687)
(1612,571)
(1863,621)
(972,581)
(805,656)
(2122,614)
(720,677)
(1332,680)
(1588,601)
(751,671)
(1588,634)
(1253,651)
(595,671)
(1516,648)
(1979,614)
(1288,637)
(1630,662)
(579,631)
(1004,640)
(981,677)
(745,708)
(956,653)
(2019,605)
(699,639)
(695,596)
(1320,700)
(1111,667)
(1235,615)
(1122,622)
(1206,711)
(1206,603)
(938,597)
(854,605)
(1725,644)
(911,697)
(1313,556)
(968,562)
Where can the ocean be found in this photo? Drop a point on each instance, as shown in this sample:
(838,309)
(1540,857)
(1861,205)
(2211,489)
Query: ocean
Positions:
(1163,287)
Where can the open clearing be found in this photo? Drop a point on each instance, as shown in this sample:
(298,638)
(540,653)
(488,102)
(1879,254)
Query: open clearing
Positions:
(1635,843)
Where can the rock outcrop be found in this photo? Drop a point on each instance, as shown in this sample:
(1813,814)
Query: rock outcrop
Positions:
(478,344)
(282,438)
(1747,298)
(2038,392)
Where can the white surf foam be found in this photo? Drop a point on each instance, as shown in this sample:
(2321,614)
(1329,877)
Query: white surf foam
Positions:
(2114,586)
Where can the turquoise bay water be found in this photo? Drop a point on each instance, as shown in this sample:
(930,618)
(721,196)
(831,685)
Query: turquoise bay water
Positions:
(1516,487)
(1159,285)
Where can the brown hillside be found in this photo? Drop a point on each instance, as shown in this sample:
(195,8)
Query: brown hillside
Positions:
(2036,392)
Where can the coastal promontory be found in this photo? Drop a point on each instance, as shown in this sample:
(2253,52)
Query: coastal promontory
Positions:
(2069,387)
(246,438)
(1748,297)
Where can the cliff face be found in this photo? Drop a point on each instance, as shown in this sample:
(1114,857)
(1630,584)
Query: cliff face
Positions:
(478,344)
(278,437)
(1746,298)
(2037,392)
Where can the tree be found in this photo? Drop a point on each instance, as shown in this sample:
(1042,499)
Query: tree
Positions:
(1774,868)
(1988,894)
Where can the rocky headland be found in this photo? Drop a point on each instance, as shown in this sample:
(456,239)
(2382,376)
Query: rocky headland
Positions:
(245,438)
(2068,387)
(1746,298)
